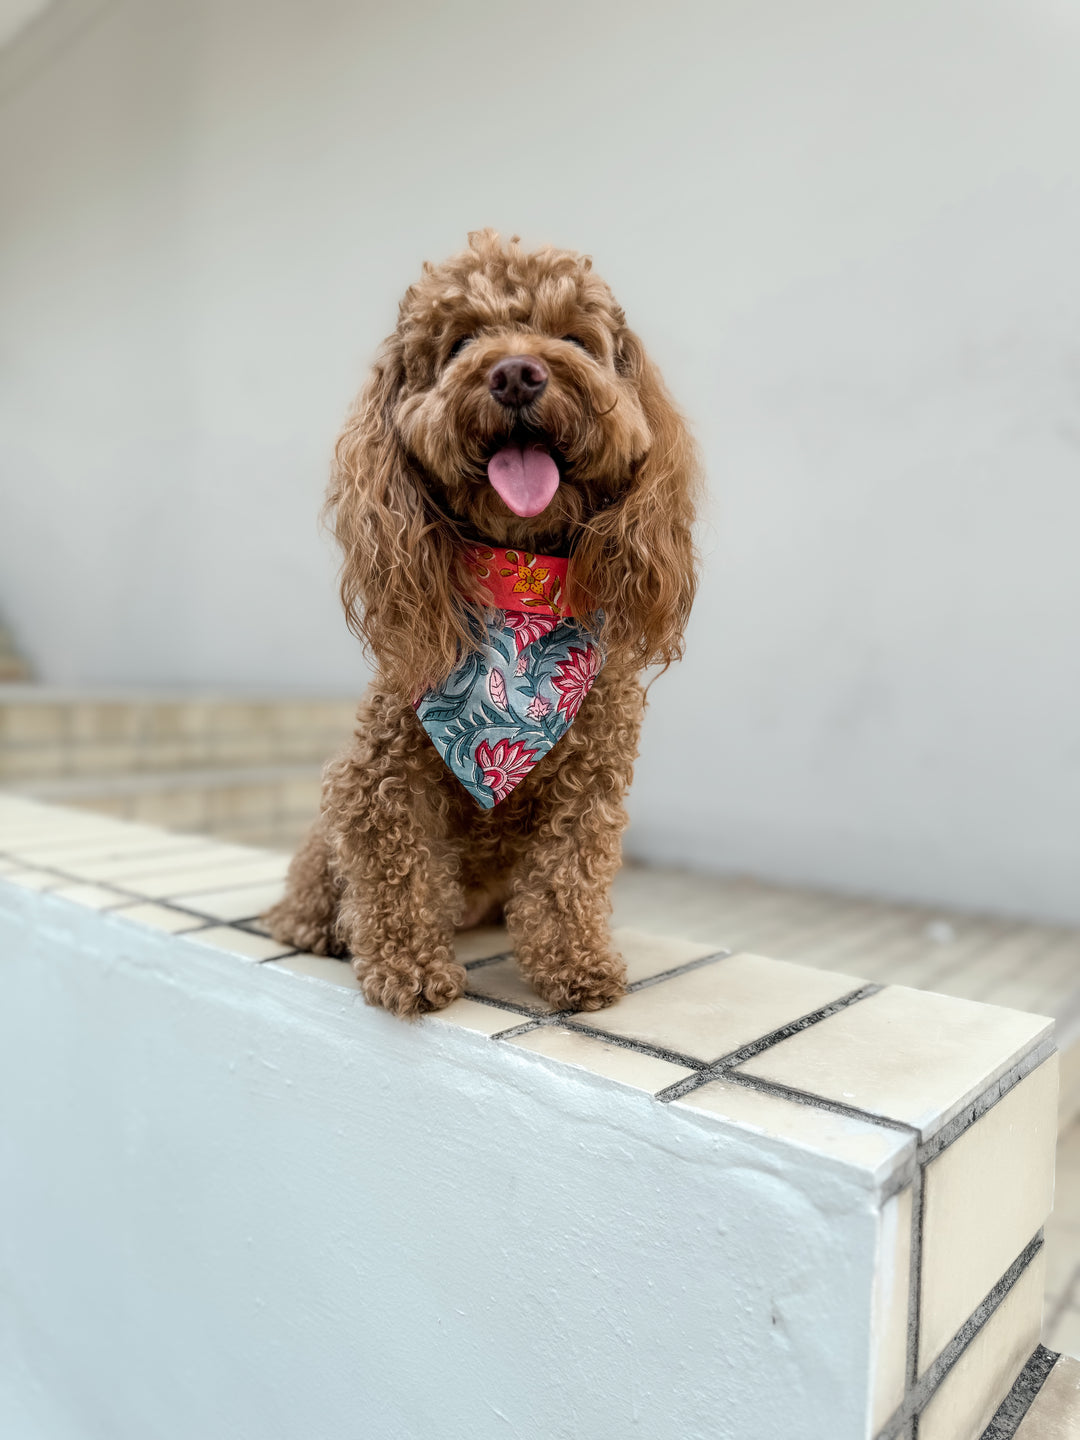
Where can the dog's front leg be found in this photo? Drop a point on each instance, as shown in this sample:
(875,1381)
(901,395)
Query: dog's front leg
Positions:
(559,908)
(402,892)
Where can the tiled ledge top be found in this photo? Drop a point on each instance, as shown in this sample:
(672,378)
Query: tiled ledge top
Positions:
(873,1076)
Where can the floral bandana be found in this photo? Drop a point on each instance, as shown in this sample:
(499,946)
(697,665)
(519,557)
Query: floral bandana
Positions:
(502,710)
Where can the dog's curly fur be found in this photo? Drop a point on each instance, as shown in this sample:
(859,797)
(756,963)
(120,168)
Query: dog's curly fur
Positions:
(401,855)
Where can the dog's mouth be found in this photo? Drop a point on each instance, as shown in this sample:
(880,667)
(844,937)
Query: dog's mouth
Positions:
(524,473)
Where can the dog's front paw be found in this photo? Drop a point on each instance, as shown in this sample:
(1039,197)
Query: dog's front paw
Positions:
(411,990)
(293,925)
(592,985)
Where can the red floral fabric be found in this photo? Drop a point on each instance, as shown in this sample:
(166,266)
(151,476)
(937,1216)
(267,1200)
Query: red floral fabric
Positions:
(532,585)
(507,704)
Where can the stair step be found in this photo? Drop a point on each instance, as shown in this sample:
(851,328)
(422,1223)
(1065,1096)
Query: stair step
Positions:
(270,805)
(47,734)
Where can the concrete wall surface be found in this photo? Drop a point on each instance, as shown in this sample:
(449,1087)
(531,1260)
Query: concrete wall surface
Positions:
(238,1203)
(847,232)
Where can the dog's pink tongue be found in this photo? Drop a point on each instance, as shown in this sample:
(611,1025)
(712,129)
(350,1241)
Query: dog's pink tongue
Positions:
(525,478)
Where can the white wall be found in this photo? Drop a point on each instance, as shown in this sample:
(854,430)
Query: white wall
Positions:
(849,233)
(241,1203)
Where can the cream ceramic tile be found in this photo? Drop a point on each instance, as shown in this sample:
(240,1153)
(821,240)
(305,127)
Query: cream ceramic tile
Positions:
(194,853)
(159,917)
(478,944)
(906,1054)
(83,835)
(858,1143)
(239,942)
(32,879)
(131,862)
(709,1012)
(615,1062)
(318,967)
(95,897)
(56,818)
(504,981)
(1055,1411)
(209,880)
(645,956)
(889,1321)
(113,848)
(471,1015)
(240,902)
(47,841)
(968,1397)
(984,1199)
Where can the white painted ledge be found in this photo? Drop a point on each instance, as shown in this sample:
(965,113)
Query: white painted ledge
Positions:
(751,1200)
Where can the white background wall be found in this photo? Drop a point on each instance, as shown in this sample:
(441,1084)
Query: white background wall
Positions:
(849,233)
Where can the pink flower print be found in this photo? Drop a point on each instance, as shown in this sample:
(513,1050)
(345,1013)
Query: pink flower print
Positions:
(522,664)
(538,708)
(574,677)
(528,628)
(504,764)
(497,689)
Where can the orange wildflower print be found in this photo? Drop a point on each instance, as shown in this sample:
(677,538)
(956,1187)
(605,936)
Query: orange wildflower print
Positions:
(531,581)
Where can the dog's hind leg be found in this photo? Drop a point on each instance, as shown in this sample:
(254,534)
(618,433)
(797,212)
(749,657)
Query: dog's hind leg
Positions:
(307,914)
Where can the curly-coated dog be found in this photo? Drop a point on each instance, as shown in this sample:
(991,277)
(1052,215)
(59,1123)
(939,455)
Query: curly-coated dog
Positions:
(511,420)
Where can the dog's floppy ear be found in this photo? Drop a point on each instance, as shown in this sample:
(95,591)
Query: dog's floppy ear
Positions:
(399,562)
(635,560)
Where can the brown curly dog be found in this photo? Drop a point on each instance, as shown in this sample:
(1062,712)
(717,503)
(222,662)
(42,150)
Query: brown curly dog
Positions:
(494,348)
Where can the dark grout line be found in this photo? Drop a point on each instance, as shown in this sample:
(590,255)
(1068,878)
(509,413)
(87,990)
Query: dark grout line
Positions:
(794,1027)
(489,960)
(656,1052)
(684,969)
(1022,1396)
(920,1393)
(984,1102)
(248,923)
(726,1064)
(804,1097)
(511,1005)
(516,1030)
(915,1279)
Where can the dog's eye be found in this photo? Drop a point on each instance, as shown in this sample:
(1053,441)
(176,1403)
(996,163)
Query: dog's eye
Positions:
(575,340)
(459,345)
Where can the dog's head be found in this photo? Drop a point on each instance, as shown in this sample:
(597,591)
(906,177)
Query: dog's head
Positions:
(512,405)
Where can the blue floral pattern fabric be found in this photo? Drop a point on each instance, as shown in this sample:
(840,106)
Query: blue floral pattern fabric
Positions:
(504,708)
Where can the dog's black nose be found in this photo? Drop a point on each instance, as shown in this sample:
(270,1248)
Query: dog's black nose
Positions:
(517,380)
